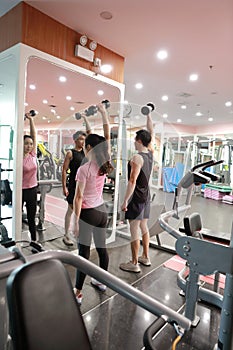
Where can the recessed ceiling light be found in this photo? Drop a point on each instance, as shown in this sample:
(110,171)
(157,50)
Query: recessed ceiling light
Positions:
(210,119)
(183,106)
(198,114)
(179,120)
(164,98)
(52,111)
(100,92)
(72,108)
(68,98)
(228,104)
(45,101)
(139,86)
(193,77)
(58,117)
(162,54)
(62,79)
(106,15)
(44,118)
(25,104)
(165,115)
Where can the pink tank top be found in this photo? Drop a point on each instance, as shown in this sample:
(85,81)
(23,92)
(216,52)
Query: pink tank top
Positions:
(30,171)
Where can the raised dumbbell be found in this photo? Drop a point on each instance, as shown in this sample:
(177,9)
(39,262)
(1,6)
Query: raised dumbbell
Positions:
(31,112)
(91,110)
(150,107)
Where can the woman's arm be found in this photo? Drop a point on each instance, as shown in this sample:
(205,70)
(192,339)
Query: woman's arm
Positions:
(32,131)
(88,126)
(105,121)
(77,205)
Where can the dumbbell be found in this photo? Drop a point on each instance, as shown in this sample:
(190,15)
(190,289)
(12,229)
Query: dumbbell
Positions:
(92,110)
(145,110)
(31,112)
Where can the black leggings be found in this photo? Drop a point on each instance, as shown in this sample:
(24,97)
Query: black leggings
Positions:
(29,197)
(92,222)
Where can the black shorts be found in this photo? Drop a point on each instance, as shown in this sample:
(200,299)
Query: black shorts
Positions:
(138,211)
(70,197)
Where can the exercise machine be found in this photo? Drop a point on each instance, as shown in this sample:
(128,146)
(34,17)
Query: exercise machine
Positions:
(203,257)
(54,277)
(6,199)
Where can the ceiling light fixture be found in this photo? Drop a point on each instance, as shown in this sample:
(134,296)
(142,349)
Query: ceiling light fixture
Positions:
(83,40)
(106,15)
(193,77)
(139,86)
(62,79)
(164,98)
(228,104)
(106,68)
(162,55)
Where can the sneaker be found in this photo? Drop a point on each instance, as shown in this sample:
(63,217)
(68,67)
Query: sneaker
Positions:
(67,241)
(79,297)
(130,267)
(98,285)
(144,261)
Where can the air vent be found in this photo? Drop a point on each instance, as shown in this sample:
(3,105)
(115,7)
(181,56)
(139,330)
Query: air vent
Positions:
(52,106)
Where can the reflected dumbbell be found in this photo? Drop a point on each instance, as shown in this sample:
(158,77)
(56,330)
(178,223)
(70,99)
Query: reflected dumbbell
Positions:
(91,110)
(150,107)
(31,112)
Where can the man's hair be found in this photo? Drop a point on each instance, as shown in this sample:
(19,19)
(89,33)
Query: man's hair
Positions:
(77,134)
(144,136)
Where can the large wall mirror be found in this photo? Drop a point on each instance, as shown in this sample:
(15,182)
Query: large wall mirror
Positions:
(57,93)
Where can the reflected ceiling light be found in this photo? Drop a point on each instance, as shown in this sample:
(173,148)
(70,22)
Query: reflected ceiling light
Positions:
(62,79)
(183,106)
(25,104)
(179,120)
(32,87)
(164,98)
(45,101)
(106,68)
(72,108)
(162,54)
(165,115)
(58,117)
(139,86)
(228,104)
(100,92)
(210,119)
(193,77)
(199,114)
(44,118)
(68,98)
(52,111)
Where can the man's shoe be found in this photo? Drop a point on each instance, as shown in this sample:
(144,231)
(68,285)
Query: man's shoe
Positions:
(144,261)
(98,285)
(67,241)
(130,267)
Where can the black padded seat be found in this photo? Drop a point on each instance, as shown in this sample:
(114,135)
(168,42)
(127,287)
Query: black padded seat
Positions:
(193,225)
(44,313)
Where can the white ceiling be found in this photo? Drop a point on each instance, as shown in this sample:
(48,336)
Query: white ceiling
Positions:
(198,35)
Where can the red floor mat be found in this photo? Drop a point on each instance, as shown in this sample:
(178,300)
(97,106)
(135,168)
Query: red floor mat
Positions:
(176,263)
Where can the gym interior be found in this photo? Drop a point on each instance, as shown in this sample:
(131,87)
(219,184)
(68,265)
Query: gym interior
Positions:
(184,300)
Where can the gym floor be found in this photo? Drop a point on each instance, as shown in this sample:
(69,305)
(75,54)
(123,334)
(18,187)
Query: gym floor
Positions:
(115,323)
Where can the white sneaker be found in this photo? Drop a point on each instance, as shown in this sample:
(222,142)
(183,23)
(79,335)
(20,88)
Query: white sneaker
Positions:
(130,267)
(144,261)
(98,285)
(79,297)
(67,241)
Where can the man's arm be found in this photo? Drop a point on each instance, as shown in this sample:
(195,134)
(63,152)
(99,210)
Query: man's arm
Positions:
(150,128)
(136,165)
(65,168)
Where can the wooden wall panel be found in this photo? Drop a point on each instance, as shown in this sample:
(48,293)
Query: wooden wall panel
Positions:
(11,28)
(42,32)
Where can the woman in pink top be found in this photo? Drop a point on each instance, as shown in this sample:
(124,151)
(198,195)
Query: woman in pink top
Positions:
(29,196)
(89,209)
